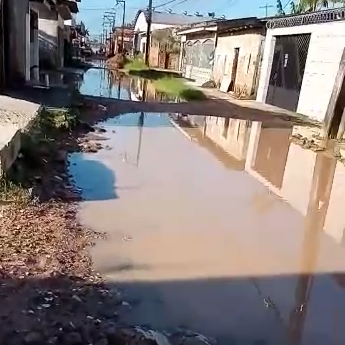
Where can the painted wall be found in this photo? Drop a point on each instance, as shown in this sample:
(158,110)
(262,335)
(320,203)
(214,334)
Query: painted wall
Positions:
(141,24)
(249,57)
(326,46)
(194,65)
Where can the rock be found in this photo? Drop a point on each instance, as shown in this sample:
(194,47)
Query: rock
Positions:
(99,129)
(102,341)
(95,137)
(73,338)
(33,338)
(85,127)
(61,156)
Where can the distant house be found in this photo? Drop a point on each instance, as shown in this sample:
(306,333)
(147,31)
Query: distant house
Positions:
(225,51)
(301,59)
(165,49)
(160,20)
(116,39)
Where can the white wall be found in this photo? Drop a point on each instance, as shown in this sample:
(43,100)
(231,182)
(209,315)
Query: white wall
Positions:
(141,24)
(48,30)
(326,46)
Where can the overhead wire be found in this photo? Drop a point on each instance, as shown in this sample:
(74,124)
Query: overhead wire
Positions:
(164,4)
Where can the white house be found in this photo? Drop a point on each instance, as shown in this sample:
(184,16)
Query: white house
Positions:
(160,20)
(301,59)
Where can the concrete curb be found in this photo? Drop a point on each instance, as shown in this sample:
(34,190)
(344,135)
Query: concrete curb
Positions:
(178,127)
(10,147)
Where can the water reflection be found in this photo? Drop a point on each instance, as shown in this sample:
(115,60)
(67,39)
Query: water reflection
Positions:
(102,82)
(312,185)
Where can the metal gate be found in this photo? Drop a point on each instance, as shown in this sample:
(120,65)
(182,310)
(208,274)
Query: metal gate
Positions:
(290,55)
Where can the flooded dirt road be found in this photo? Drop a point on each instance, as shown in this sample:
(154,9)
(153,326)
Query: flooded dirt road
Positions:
(230,230)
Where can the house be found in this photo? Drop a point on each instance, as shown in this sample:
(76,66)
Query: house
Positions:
(238,55)
(51,29)
(225,51)
(18,33)
(165,49)
(32,31)
(301,59)
(127,33)
(160,20)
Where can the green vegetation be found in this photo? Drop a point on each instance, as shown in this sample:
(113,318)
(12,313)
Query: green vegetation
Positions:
(135,65)
(176,87)
(304,6)
(165,82)
(39,140)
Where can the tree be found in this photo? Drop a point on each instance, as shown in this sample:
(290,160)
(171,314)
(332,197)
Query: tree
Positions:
(280,10)
(303,6)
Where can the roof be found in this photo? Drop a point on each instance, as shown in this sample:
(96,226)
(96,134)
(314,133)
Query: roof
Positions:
(317,17)
(224,25)
(173,19)
(240,24)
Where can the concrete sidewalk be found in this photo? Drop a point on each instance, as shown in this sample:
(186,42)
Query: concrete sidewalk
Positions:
(215,94)
(15,115)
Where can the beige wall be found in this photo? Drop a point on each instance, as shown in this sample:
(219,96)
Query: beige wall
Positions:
(231,135)
(249,57)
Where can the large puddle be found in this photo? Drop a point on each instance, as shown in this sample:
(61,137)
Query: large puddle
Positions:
(231,230)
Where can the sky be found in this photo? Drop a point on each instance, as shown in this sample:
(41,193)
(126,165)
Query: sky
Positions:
(91,11)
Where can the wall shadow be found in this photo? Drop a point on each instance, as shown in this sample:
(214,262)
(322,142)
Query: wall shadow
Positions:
(247,310)
(286,309)
(208,107)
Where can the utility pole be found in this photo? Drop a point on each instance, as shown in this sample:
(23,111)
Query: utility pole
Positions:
(266,7)
(109,20)
(123,2)
(148,34)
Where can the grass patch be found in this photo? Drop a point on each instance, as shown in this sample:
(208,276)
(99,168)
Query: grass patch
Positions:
(168,82)
(135,65)
(176,87)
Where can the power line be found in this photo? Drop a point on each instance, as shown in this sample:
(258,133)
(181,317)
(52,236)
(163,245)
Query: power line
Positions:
(164,4)
(179,3)
(289,2)
(105,8)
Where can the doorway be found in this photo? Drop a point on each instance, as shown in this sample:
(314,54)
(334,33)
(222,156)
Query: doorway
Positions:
(289,60)
(234,69)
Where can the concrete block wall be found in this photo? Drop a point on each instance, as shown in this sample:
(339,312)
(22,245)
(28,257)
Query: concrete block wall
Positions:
(326,46)
(249,57)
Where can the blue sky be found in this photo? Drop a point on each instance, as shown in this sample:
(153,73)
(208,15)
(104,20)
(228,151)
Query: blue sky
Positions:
(91,11)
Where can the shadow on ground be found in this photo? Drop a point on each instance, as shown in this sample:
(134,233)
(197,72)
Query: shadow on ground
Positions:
(209,107)
(247,310)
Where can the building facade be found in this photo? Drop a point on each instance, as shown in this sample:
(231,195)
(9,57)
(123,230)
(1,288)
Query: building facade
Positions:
(160,20)
(238,56)
(301,59)
(227,52)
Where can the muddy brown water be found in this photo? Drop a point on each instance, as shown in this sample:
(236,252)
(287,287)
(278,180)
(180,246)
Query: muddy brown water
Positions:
(230,230)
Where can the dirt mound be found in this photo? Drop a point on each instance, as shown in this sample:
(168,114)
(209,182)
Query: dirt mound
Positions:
(116,62)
